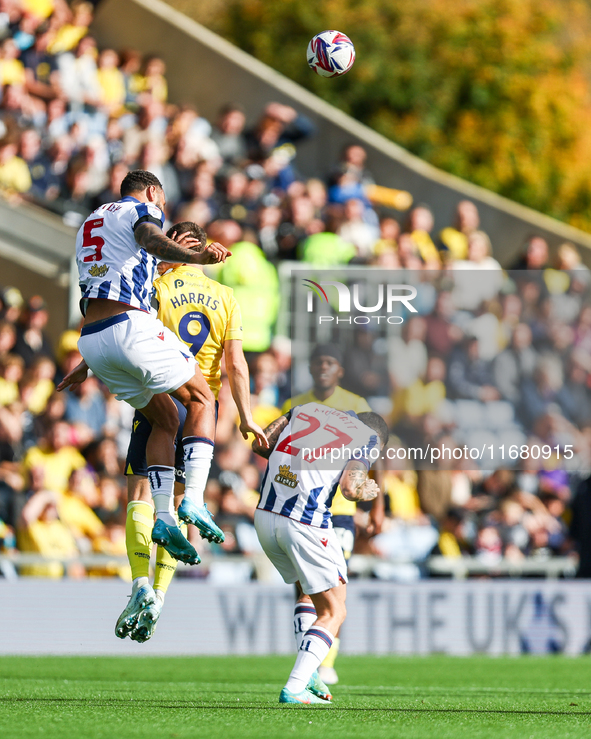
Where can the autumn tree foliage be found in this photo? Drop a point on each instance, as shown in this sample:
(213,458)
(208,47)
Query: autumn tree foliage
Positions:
(494,91)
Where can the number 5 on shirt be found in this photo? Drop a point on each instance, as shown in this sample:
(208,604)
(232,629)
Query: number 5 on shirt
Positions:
(89,241)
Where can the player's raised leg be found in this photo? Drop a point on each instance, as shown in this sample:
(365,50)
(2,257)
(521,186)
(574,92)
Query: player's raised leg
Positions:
(148,618)
(316,641)
(160,458)
(198,443)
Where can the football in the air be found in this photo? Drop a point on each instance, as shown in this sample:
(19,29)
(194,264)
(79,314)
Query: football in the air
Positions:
(330,53)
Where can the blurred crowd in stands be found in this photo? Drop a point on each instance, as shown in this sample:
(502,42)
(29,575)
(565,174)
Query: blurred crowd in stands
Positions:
(74,120)
(496,363)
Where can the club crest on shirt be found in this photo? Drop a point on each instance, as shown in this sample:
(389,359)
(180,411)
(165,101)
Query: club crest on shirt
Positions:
(286,477)
(97,271)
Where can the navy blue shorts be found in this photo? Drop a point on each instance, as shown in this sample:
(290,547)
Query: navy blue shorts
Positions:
(135,462)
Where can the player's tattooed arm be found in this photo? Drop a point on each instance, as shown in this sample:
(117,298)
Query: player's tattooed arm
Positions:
(355,485)
(151,238)
(272,432)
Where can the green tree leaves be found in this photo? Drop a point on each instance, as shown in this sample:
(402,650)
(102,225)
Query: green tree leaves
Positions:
(495,91)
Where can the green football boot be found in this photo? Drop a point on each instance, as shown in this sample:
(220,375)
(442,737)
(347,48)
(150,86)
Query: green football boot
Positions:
(140,599)
(316,686)
(171,538)
(303,698)
(200,517)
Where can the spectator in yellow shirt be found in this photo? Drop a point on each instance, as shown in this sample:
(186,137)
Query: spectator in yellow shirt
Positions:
(12,70)
(42,531)
(41,9)
(420,225)
(14,172)
(56,456)
(11,372)
(40,384)
(111,80)
(154,81)
(401,488)
(70,34)
(75,511)
(423,396)
(455,239)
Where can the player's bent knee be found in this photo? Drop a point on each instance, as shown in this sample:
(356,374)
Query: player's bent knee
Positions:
(168,423)
(162,414)
(202,395)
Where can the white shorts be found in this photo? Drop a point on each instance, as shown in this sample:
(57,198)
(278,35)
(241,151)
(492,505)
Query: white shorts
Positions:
(301,553)
(136,356)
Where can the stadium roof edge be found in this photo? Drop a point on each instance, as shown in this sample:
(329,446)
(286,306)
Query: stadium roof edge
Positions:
(303,97)
(36,238)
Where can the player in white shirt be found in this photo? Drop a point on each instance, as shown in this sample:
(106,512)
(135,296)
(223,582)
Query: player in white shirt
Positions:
(139,359)
(312,450)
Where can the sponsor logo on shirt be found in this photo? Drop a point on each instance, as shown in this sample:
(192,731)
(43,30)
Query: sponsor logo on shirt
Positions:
(96,271)
(286,477)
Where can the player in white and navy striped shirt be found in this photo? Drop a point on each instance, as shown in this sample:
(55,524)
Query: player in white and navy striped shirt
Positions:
(312,450)
(333,435)
(140,360)
(110,264)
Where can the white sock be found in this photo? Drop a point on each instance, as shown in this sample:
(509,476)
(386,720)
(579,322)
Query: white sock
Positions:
(162,489)
(304,615)
(198,453)
(313,650)
(160,595)
(138,582)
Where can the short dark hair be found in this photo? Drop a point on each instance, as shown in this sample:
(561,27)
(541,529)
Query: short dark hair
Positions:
(191,228)
(377,423)
(327,350)
(137,181)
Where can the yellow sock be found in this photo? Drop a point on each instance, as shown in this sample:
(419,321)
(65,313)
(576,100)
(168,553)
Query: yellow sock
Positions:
(165,566)
(138,537)
(333,653)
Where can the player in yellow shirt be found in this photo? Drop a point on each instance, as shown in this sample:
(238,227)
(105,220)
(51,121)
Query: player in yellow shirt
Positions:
(206,316)
(326,368)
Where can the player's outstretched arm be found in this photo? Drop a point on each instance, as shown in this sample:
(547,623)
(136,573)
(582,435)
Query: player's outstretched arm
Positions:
(355,485)
(151,238)
(272,433)
(238,377)
(75,378)
(377,513)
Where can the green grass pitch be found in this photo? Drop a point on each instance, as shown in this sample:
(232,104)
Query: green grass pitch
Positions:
(235,697)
